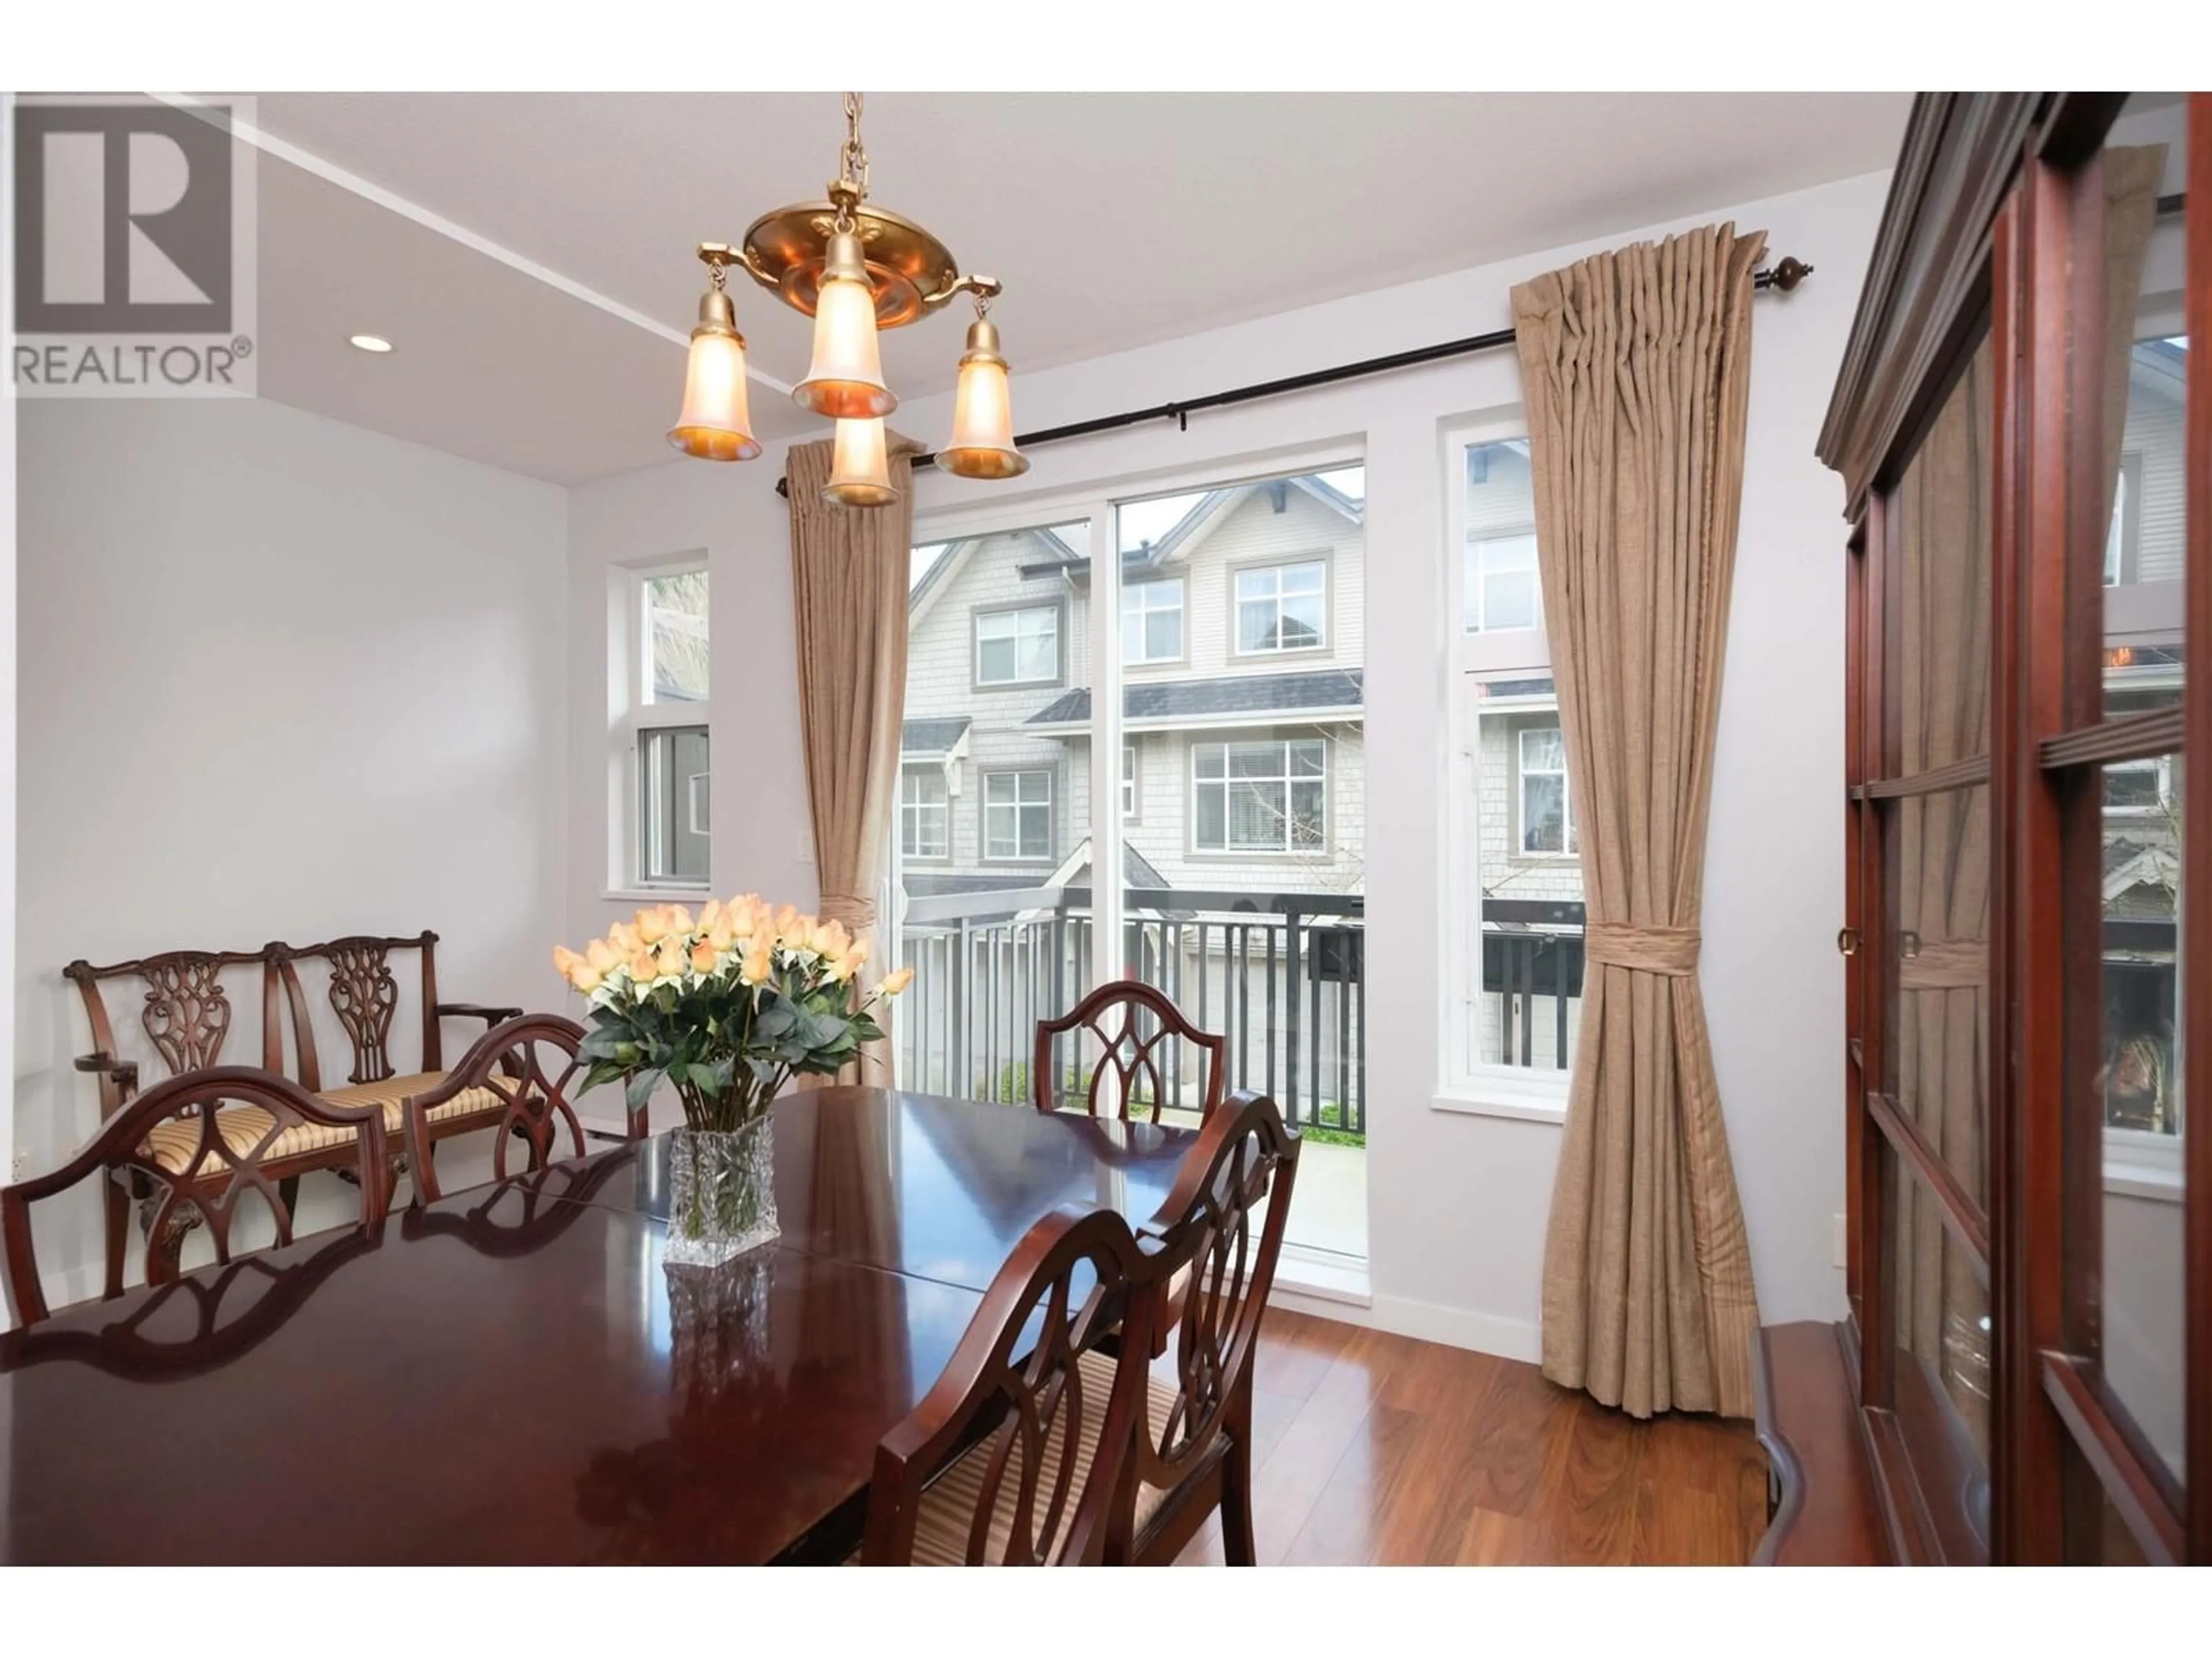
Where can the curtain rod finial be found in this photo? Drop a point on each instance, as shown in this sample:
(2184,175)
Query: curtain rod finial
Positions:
(1787,273)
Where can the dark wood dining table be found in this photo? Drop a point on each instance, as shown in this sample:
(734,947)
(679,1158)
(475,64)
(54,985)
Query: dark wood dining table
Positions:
(514,1374)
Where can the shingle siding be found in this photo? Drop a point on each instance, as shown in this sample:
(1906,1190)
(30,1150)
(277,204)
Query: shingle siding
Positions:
(941,692)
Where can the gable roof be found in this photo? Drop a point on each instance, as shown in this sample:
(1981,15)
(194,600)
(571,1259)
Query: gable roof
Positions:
(1249,695)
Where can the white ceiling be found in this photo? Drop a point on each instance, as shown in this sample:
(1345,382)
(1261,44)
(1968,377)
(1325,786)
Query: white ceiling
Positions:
(1114,220)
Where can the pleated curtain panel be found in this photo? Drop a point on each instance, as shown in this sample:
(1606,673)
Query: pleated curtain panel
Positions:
(849,588)
(1636,366)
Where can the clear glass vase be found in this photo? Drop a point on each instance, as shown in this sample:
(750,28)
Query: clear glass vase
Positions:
(721,1192)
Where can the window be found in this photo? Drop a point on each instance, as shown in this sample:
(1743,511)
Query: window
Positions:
(1282,607)
(1515,949)
(925,813)
(1017,648)
(1260,797)
(1152,621)
(675,655)
(1502,591)
(1018,815)
(1128,780)
(1547,824)
(672,803)
(658,770)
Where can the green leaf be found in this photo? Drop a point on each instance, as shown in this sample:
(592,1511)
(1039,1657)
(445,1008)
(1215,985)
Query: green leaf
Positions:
(641,1085)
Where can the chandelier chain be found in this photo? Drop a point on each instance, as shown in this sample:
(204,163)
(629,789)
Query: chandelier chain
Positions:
(853,165)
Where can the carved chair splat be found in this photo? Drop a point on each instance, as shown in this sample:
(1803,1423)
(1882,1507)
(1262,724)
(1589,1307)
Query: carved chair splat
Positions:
(532,1067)
(1014,1455)
(226,1132)
(1194,1452)
(1114,1014)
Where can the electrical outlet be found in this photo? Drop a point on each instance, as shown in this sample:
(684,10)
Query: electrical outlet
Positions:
(21,1167)
(1842,1244)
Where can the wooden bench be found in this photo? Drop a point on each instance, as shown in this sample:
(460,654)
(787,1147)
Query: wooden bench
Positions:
(186,1013)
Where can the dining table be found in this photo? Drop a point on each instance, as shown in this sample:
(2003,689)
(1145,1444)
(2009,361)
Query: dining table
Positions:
(516,1374)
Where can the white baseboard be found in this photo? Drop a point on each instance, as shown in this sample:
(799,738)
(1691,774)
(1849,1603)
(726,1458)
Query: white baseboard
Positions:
(1428,1322)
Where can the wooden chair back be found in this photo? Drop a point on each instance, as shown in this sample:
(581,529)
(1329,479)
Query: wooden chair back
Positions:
(185,1011)
(228,1154)
(1133,1023)
(1221,1222)
(364,993)
(531,1064)
(1040,1447)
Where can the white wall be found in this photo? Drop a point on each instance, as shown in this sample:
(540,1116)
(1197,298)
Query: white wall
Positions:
(763,836)
(1458,1201)
(283,678)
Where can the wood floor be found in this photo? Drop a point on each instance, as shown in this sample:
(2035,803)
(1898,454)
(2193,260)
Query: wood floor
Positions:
(1371,1449)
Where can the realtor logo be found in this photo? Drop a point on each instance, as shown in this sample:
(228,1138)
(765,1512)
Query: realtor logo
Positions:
(133,253)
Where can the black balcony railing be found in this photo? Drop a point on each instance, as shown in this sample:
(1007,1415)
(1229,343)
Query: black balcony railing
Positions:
(1282,976)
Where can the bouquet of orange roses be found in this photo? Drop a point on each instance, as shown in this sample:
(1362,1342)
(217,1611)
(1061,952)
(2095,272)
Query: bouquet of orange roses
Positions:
(726,1005)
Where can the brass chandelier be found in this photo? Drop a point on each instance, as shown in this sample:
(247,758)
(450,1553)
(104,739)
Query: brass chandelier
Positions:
(855,268)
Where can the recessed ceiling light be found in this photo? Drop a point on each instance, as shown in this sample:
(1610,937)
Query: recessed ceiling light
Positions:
(370,342)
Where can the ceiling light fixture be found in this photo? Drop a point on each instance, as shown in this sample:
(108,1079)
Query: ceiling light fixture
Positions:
(855,268)
(375,343)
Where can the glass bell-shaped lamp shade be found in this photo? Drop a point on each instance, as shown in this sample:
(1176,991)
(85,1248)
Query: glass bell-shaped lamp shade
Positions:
(716,422)
(982,444)
(846,379)
(860,470)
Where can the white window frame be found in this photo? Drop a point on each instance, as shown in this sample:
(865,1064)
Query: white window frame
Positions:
(1286,777)
(1276,568)
(912,813)
(632,714)
(1465,1084)
(1019,805)
(942,514)
(1145,595)
(1014,614)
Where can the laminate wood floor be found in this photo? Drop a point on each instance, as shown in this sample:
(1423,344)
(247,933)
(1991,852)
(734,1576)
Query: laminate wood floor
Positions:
(1379,1449)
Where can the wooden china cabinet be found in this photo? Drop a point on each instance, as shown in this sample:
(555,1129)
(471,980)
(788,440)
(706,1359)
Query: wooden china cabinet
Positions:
(2023,424)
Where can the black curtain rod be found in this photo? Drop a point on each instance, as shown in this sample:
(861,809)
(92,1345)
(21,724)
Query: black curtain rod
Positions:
(1785,274)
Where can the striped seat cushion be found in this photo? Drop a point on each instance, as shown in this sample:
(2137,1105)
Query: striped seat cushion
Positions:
(171,1146)
(948,1507)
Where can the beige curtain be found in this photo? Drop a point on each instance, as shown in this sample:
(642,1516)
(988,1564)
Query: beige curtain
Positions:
(1635,365)
(848,586)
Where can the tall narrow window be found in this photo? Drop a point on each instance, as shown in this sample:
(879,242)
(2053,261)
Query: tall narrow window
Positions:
(661,728)
(1516,966)
(1547,824)
(925,814)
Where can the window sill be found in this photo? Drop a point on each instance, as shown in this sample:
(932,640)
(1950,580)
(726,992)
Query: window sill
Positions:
(1530,1105)
(653,895)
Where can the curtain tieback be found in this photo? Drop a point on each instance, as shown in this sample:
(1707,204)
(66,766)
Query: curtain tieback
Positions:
(859,914)
(1953,964)
(1669,950)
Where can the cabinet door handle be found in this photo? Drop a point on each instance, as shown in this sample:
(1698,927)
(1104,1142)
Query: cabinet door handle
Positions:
(1847,941)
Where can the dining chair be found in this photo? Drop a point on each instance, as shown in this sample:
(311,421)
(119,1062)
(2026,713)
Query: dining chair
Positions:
(1215,1240)
(531,1072)
(199,1143)
(1130,1020)
(1015,1454)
